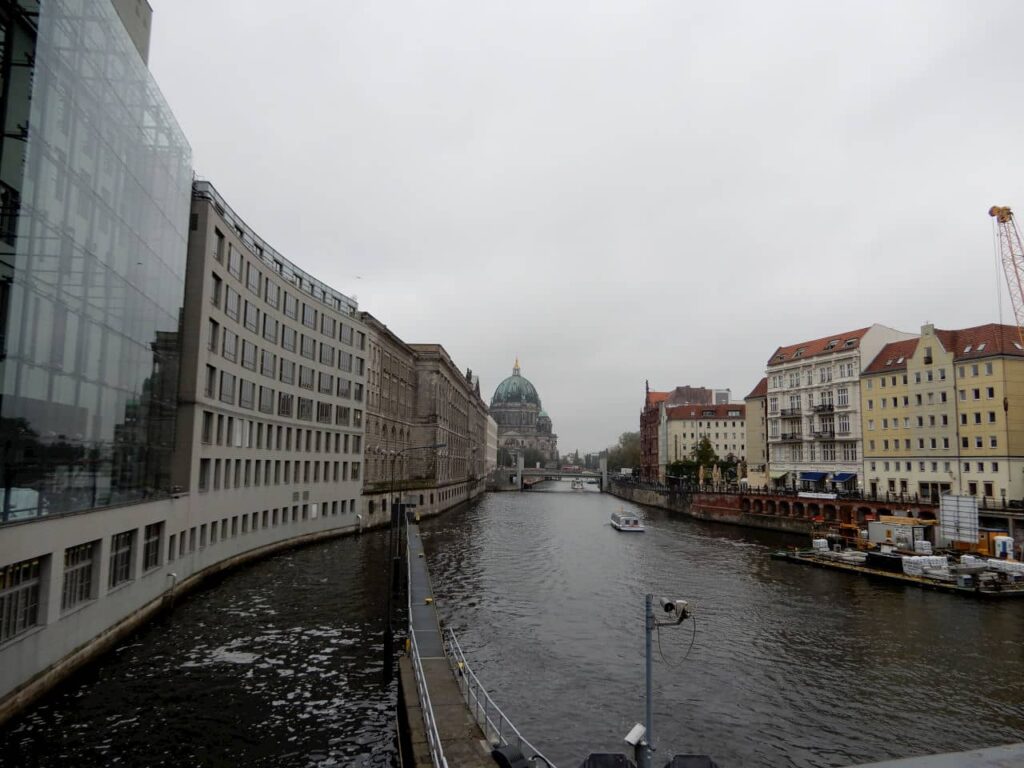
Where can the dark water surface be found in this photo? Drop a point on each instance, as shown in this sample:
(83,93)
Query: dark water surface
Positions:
(276,664)
(790,666)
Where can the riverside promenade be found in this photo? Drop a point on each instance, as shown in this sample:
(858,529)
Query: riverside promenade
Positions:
(441,730)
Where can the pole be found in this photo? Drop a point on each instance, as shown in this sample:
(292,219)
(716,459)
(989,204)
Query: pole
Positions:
(648,752)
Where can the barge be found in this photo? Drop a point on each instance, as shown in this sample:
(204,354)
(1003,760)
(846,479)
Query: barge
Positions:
(974,578)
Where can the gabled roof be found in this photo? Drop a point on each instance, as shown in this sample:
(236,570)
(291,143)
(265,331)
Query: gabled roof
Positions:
(982,341)
(892,357)
(761,390)
(826,345)
(698,411)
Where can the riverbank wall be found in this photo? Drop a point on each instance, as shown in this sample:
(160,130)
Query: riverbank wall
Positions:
(65,640)
(715,507)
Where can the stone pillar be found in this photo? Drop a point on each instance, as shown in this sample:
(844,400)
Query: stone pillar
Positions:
(604,473)
(519,471)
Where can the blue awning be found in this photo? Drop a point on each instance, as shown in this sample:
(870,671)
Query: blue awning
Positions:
(812,476)
(843,477)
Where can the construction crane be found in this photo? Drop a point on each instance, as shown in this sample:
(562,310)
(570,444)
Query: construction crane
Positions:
(1011,251)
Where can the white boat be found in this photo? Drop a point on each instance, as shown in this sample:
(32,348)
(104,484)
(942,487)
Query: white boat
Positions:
(577,485)
(621,521)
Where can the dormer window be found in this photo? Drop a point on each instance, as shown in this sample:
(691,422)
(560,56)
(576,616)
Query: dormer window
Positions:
(799,353)
(981,346)
(832,344)
(967,348)
(899,360)
(849,343)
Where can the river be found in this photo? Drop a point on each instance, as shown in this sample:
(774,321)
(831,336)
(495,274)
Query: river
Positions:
(789,665)
(278,663)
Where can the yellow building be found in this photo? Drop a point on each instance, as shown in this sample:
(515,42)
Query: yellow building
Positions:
(945,413)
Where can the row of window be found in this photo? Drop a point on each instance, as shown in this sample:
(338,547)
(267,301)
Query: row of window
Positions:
(932,442)
(260,285)
(823,452)
(841,399)
(215,473)
(236,432)
(946,466)
(229,389)
(823,373)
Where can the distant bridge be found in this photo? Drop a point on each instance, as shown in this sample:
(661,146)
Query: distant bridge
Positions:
(519,473)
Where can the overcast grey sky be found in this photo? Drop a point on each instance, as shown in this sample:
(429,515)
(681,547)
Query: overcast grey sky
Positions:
(614,191)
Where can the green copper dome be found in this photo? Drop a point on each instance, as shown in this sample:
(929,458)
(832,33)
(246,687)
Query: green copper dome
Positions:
(543,415)
(515,389)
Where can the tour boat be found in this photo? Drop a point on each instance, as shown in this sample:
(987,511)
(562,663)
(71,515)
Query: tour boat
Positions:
(577,485)
(625,522)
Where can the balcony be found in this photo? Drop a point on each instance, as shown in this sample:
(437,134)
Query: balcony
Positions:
(788,413)
(790,437)
(824,408)
(824,434)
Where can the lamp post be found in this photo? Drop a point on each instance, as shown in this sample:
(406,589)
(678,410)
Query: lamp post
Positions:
(395,558)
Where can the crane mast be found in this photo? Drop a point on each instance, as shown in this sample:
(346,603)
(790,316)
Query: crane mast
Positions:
(1011,252)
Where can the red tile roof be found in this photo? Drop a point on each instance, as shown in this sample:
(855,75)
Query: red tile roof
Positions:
(817,347)
(892,357)
(653,398)
(761,390)
(982,341)
(720,411)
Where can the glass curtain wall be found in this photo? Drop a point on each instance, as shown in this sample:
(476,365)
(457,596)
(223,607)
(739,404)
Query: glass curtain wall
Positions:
(95,176)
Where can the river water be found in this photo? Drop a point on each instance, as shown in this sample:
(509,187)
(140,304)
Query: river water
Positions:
(279,663)
(789,666)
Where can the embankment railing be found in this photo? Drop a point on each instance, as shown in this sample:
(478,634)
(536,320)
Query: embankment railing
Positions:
(496,726)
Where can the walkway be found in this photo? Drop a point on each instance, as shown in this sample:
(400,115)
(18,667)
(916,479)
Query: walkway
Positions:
(462,740)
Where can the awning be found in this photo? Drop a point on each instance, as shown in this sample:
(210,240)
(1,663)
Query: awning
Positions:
(812,476)
(778,474)
(843,477)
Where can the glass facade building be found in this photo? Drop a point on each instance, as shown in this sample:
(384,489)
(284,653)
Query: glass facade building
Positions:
(95,179)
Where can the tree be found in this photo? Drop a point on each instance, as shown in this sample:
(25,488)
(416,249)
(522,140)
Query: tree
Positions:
(704,453)
(626,453)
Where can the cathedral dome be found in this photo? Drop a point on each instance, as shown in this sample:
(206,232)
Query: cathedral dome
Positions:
(515,389)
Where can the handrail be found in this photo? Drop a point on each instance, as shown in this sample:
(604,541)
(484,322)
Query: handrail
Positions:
(483,707)
(429,722)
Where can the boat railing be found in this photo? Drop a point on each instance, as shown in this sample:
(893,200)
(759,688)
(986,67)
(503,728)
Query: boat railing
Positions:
(429,720)
(497,728)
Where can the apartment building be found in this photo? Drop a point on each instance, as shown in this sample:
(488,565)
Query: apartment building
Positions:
(939,415)
(684,426)
(757,435)
(814,408)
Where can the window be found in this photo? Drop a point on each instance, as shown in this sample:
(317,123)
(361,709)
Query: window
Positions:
(327,354)
(252,317)
(323,412)
(978,442)
(153,537)
(266,400)
(291,306)
(273,293)
(346,335)
(974,370)
(216,289)
(326,385)
(284,404)
(988,489)
(287,371)
(977,417)
(993,442)
(249,355)
(227,387)
(246,394)
(308,316)
(963,394)
(990,392)
(213,335)
(230,351)
(344,388)
(327,326)
(234,262)
(988,366)
(342,415)
(345,361)
(308,347)
(207,434)
(19,597)
(253,278)
(121,546)
(995,466)
(976,393)
(972,489)
(78,575)
(305,409)
(232,302)
(991,417)
(305,377)
(270,329)
(288,337)
(843,396)
(268,364)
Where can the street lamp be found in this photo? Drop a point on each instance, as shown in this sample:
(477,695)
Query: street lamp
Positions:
(395,557)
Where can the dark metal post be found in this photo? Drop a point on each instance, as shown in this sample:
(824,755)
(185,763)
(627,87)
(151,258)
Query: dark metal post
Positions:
(648,752)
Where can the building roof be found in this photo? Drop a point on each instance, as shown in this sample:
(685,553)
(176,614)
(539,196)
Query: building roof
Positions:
(982,341)
(700,411)
(653,398)
(761,390)
(515,389)
(892,357)
(826,345)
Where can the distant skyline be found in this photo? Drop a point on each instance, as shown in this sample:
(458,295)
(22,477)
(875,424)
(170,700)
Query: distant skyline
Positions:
(614,192)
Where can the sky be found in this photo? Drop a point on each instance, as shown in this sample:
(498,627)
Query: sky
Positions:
(615,192)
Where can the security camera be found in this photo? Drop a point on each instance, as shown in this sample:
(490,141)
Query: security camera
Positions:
(635,735)
(668,605)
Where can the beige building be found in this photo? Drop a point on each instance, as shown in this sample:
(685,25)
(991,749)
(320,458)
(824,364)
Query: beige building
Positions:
(940,415)
(684,426)
(757,435)
(814,409)
(491,448)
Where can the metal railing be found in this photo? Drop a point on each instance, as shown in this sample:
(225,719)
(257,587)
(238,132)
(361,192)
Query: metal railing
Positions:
(429,721)
(497,728)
